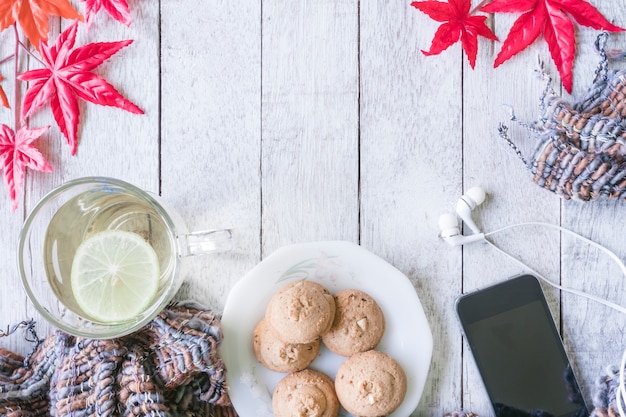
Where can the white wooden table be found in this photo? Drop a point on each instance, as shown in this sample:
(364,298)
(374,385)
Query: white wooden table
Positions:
(296,121)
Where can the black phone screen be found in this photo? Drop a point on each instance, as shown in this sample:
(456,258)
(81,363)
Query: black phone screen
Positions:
(519,352)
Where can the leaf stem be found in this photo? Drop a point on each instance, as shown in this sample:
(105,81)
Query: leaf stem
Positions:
(28,51)
(16,87)
(478,6)
(7,59)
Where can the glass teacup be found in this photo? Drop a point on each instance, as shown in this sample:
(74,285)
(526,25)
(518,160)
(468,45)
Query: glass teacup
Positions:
(87,207)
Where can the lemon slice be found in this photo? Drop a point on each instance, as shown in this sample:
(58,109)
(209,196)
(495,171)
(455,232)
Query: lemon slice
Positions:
(115,276)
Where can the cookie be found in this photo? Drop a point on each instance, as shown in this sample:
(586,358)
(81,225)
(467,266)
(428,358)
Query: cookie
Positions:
(301,312)
(370,384)
(278,356)
(358,326)
(305,393)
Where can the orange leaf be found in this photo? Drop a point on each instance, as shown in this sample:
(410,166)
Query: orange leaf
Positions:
(8,12)
(3,96)
(32,15)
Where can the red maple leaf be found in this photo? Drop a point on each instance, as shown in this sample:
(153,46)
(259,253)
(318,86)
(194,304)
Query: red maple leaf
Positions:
(553,19)
(68,77)
(459,23)
(17,154)
(117,9)
(33,16)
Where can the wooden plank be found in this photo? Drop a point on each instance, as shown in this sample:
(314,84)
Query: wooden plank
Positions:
(592,332)
(584,338)
(309,122)
(14,307)
(411,143)
(512,197)
(210,133)
(104,132)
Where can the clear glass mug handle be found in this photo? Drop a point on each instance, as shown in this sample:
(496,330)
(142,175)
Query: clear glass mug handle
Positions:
(202,242)
(207,241)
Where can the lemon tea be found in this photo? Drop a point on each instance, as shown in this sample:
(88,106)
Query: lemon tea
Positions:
(90,219)
(90,213)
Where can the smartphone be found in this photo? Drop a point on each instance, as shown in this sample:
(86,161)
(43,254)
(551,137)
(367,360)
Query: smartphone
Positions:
(519,352)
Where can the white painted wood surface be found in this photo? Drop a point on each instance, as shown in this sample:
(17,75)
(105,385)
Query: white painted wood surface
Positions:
(295,121)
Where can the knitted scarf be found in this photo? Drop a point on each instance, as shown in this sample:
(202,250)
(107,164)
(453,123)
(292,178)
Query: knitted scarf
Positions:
(171,367)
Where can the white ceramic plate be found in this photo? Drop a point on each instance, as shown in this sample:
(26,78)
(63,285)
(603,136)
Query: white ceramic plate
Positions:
(337,266)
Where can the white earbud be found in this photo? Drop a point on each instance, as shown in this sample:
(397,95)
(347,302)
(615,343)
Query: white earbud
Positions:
(468,202)
(451,233)
(449,226)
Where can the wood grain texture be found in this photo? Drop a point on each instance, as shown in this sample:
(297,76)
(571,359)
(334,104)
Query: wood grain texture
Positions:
(411,144)
(592,331)
(15,302)
(320,120)
(511,196)
(210,133)
(310,154)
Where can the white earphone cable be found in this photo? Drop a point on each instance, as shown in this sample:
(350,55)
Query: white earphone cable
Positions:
(590,242)
(558,286)
(451,234)
(621,390)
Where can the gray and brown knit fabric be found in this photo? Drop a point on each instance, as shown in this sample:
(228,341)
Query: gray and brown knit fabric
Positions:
(580,148)
(605,394)
(171,367)
(581,151)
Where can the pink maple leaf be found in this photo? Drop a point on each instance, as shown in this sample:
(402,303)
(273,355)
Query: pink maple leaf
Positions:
(117,9)
(68,77)
(17,154)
